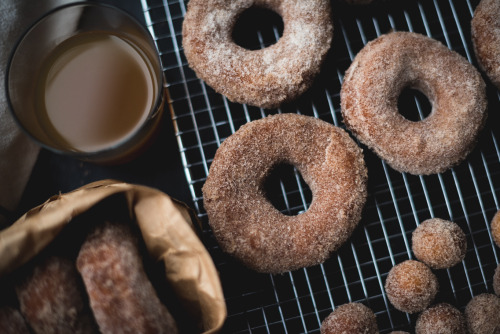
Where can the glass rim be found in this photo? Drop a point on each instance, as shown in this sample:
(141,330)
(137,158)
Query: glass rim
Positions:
(82,155)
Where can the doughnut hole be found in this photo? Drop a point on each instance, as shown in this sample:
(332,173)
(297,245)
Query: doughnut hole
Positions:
(495,228)
(441,319)
(411,286)
(286,190)
(439,243)
(414,105)
(482,314)
(257,28)
(350,318)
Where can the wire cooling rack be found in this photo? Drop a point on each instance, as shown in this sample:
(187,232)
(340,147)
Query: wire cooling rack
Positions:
(298,301)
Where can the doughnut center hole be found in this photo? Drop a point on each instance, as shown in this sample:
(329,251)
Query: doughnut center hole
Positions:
(414,105)
(257,28)
(286,190)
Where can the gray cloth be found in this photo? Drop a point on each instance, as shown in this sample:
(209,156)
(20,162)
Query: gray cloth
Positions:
(17,152)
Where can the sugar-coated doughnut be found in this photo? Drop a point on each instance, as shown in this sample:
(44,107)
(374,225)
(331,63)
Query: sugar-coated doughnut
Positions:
(121,296)
(350,318)
(495,228)
(245,222)
(485,33)
(411,286)
(399,60)
(439,243)
(441,319)
(52,298)
(266,77)
(482,314)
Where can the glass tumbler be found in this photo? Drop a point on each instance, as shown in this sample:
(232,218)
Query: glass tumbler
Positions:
(86,80)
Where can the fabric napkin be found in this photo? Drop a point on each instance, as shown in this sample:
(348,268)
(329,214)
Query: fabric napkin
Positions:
(18,153)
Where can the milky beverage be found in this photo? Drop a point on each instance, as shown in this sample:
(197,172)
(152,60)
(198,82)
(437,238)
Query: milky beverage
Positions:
(94,91)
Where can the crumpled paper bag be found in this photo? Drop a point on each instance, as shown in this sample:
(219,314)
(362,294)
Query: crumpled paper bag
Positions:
(166,227)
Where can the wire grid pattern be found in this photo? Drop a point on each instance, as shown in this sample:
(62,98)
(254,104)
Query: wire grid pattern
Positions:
(298,301)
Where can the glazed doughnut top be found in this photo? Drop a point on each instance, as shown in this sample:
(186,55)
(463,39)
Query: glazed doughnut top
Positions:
(244,221)
(265,77)
(399,60)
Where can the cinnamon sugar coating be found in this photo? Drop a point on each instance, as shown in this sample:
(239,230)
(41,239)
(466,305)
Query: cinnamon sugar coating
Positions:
(121,296)
(482,314)
(245,222)
(441,319)
(485,33)
(411,286)
(52,298)
(439,243)
(455,89)
(495,228)
(266,77)
(351,318)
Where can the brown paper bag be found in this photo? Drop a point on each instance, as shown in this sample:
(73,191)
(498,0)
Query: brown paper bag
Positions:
(166,227)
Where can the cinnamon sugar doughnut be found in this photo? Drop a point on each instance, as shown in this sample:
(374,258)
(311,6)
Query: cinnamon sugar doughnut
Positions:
(350,318)
(411,286)
(265,77)
(245,222)
(486,38)
(121,296)
(399,60)
(52,298)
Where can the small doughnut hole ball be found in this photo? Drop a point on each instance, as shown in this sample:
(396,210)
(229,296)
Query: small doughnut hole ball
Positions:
(496,281)
(411,286)
(351,318)
(441,319)
(482,314)
(439,243)
(495,228)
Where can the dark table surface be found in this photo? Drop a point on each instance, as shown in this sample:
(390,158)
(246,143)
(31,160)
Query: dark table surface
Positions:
(159,166)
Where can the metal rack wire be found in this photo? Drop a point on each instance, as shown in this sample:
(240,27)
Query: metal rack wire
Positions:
(297,302)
